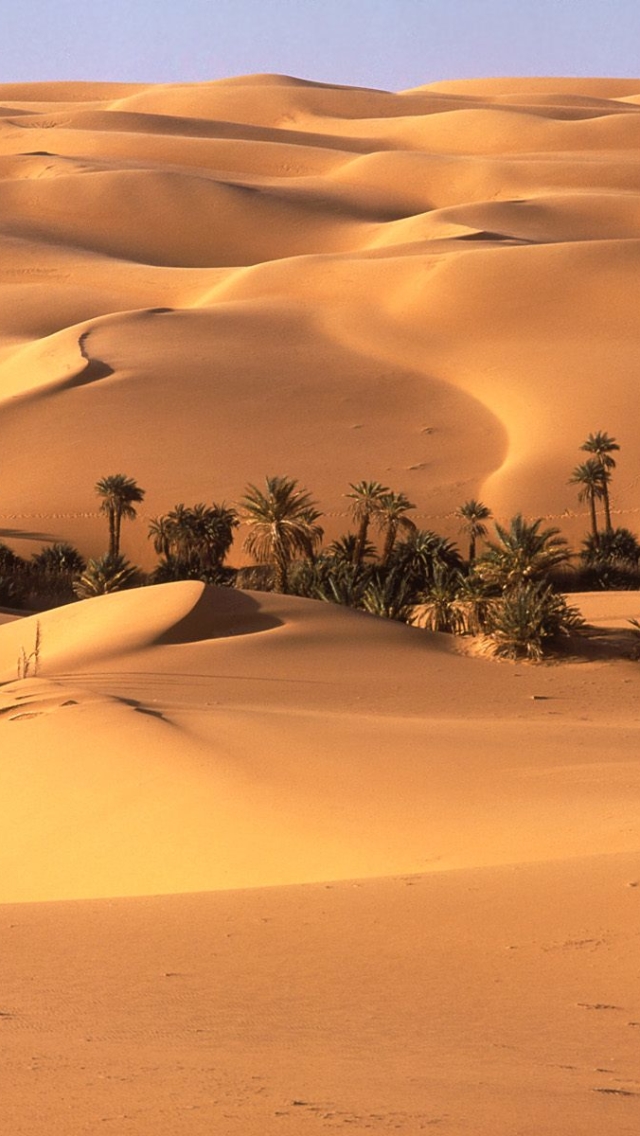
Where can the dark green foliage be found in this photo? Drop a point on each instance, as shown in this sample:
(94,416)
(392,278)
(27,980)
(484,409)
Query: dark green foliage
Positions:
(12,591)
(391,518)
(611,561)
(592,478)
(347,549)
(107,574)
(602,447)
(441,608)
(119,496)
(58,558)
(10,562)
(169,570)
(389,594)
(523,552)
(528,618)
(421,555)
(619,544)
(333,579)
(193,541)
(365,497)
(473,514)
(283,522)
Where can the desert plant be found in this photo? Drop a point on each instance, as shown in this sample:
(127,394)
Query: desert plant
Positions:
(440,608)
(602,447)
(527,618)
(10,562)
(30,663)
(388,594)
(421,555)
(12,591)
(473,514)
(592,479)
(365,497)
(107,574)
(347,550)
(523,552)
(58,558)
(119,496)
(194,539)
(283,522)
(391,518)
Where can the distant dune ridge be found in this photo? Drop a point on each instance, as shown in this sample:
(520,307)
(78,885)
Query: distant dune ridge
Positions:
(434,288)
(269,865)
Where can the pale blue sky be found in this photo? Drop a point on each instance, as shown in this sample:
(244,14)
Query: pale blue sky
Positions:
(379,43)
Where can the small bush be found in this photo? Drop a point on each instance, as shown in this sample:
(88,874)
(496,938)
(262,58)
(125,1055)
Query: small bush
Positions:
(526,619)
(107,574)
(57,559)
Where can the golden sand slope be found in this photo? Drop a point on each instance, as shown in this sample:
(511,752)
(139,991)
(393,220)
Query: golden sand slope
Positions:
(200,284)
(183,739)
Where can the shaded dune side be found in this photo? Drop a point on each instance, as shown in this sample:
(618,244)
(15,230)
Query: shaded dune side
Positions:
(443,269)
(251,740)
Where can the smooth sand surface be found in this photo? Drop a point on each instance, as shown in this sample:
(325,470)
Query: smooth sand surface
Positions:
(269,865)
(266,275)
(457,943)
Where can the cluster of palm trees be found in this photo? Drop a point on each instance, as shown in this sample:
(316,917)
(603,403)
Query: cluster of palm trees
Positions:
(594,477)
(510,591)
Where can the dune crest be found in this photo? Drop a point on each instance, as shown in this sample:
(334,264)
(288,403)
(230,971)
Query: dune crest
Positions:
(439,272)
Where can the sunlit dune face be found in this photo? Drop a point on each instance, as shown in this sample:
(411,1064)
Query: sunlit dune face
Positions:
(426,288)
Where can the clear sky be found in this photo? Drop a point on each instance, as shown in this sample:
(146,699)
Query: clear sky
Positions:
(392,44)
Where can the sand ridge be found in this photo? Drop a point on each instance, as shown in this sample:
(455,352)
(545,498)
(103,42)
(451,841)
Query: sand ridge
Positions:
(464,253)
(266,864)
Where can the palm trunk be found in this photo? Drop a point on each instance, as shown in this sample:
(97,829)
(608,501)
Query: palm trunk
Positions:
(594,520)
(389,542)
(472,549)
(117,519)
(113,534)
(607,509)
(281,582)
(361,540)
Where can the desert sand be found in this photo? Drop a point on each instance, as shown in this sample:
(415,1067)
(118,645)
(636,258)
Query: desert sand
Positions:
(269,865)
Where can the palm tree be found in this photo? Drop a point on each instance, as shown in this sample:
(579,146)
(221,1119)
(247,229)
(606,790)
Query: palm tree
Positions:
(602,446)
(523,553)
(593,481)
(105,575)
(473,513)
(523,621)
(390,518)
(194,539)
(119,495)
(283,524)
(160,533)
(342,550)
(366,497)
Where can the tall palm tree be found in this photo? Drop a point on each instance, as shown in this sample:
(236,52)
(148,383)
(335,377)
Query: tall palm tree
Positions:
(119,495)
(602,447)
(160,534)
(366,497)
(473,514)
(522,553)
(592,478)
(283,523)
(390,517)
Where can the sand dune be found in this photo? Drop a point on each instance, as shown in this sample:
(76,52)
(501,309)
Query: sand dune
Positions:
(270,865)
(190,740)
(464,253)
(245,739)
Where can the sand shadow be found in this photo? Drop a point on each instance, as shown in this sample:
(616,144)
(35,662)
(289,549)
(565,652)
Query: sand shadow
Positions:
(220,613)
